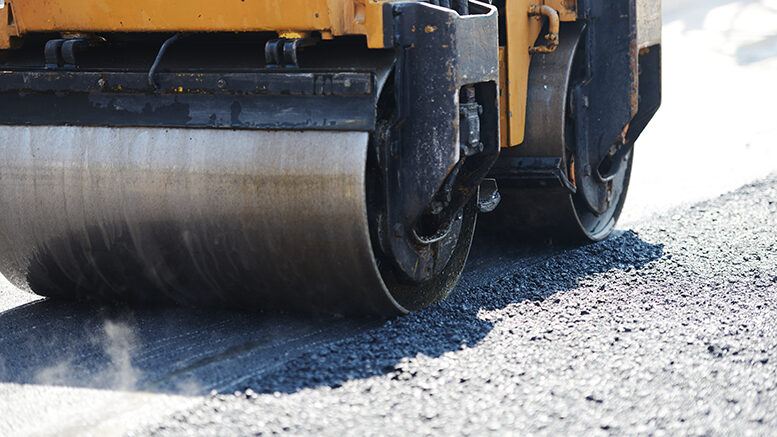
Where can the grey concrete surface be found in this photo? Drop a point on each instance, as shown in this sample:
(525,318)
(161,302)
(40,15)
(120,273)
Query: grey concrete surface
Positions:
(668,327)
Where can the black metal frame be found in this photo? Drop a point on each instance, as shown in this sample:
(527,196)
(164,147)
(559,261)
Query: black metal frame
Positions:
(605,98)
(443,66)
(256,100)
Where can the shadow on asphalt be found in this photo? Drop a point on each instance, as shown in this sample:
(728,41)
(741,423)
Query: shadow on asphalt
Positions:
(192,352)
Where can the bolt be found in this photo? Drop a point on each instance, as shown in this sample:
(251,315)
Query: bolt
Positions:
(101,83)
(222,83)
(469,93)
(436,207)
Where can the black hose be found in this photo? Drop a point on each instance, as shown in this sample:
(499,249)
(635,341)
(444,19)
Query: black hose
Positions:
(158,60)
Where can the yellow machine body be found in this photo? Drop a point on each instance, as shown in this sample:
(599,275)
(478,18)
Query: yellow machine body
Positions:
(331,18)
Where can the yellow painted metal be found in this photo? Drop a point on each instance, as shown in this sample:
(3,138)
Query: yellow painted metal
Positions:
(522,32)
(293,34)
(9,32)
(333,17)
(503,119)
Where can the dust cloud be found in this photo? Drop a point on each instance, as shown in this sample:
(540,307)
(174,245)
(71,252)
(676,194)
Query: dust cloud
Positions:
(61,373)
(117,342)
(189,387)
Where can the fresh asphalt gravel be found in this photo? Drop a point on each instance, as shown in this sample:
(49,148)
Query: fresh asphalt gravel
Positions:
(669,328)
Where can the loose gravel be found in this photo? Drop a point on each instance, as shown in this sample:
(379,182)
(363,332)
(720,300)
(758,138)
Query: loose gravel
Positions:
(669,328)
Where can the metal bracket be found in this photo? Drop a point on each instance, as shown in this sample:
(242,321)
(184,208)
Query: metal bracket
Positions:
(52,53)
(62,52)
(469,123)
(283,52)
(535,172)
(553,28)
(488,196)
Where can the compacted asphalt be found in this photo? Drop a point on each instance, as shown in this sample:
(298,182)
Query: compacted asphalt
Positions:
(670,327)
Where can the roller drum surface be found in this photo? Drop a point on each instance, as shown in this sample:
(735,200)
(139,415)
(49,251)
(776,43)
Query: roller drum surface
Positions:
(257,219)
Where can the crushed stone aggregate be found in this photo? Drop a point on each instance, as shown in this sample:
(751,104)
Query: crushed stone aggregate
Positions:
(667,328)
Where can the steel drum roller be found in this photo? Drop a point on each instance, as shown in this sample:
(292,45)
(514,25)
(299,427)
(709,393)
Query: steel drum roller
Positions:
(241,218)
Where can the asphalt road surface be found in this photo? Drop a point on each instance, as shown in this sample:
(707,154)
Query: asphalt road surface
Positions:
(667,327)
(671,326)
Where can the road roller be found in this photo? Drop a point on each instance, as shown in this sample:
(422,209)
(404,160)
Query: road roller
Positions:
(308,155)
